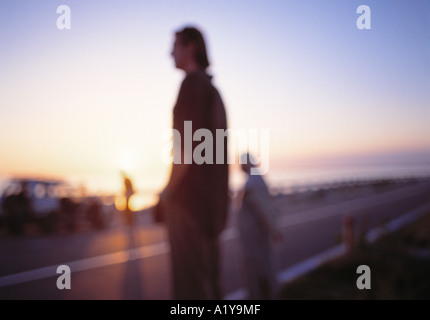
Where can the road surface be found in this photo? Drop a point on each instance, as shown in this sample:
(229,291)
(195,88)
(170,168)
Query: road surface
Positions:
(120,263)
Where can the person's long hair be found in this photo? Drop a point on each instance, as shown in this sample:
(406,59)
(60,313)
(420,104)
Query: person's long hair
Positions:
(191,35)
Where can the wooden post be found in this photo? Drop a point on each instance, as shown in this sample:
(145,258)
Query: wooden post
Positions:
(348,232)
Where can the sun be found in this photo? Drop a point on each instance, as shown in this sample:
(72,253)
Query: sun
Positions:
(127,161)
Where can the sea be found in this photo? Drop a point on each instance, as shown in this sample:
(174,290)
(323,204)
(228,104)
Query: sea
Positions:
(311,175)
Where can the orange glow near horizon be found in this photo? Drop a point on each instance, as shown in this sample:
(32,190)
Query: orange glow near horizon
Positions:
(99,166)
(137,202)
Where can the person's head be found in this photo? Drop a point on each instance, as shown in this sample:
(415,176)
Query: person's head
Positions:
(247,162)
(189,50)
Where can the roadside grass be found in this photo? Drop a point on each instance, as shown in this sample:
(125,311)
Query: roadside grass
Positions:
(399,264)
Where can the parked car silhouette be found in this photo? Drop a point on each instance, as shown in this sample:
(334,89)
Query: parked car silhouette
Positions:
(36,201)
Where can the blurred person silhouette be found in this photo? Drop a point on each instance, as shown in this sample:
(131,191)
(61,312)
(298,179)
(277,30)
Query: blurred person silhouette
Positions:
(257,221)
(18,209)
(128,193)
(69,210)
(194,203)
(94,213)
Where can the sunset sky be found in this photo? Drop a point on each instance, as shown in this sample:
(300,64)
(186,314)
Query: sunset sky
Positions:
(86,102)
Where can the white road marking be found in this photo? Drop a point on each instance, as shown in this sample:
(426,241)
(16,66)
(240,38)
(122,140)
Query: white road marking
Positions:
(88,263)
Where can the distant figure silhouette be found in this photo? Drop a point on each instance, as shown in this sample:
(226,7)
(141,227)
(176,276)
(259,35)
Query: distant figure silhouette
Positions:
(69,209)
(128,193)
(17,209)
(257,226)
(94,213)
(195,200)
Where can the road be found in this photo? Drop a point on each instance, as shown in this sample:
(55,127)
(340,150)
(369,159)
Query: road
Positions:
(120,263)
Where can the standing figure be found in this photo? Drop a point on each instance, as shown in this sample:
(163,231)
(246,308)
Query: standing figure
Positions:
(257,228)
(128,193)
(194,202)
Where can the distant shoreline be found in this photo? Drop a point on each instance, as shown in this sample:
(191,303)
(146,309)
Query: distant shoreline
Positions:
(303,176)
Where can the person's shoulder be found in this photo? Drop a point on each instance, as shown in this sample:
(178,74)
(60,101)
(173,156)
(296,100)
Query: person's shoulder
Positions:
(255,182)
(197,79)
